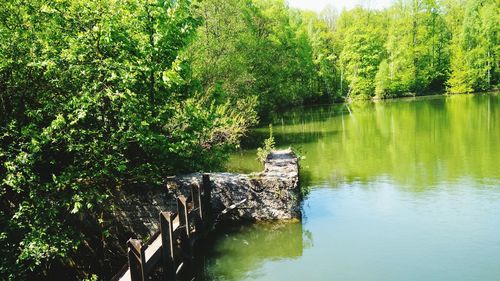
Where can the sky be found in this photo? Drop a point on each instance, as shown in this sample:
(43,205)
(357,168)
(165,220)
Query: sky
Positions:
(318,5)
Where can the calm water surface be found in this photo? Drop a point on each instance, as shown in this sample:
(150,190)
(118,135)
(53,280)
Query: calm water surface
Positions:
(400,190)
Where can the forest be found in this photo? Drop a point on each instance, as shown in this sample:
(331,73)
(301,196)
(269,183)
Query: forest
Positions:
(96,95)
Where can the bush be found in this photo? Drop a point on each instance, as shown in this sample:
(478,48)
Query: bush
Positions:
(268,146)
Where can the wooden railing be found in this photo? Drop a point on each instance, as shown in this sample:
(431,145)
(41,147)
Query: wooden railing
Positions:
(173,244)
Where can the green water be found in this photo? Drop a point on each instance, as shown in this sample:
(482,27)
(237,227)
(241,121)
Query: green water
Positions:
(400,190)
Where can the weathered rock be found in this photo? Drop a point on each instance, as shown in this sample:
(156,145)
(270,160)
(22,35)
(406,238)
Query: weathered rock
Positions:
(269,195)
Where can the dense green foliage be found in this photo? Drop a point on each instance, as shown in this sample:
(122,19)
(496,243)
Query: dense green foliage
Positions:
(475,50)
(417,47)
(362,39)
(274,56)
(421,65)
(100,94)
(263,53)
(94,94)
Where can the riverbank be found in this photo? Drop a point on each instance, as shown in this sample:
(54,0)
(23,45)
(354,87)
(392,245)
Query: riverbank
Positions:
(415,95)
(373,99)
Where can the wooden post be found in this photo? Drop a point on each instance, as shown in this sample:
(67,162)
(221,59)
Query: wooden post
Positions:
(134,266)
(197,206)
(136,260)
(167,245)
(207,197)
(184,235)
(182,213)
(195,194)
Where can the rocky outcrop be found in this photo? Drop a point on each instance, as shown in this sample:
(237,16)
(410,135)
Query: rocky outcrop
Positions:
(269,195)
(272,194)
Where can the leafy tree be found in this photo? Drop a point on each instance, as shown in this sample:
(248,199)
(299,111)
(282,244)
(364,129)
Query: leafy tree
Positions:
(325,57)
(416,45)
(363,36)
(94,96)
(474,49)
(217,57)
(257,51)
(281,56)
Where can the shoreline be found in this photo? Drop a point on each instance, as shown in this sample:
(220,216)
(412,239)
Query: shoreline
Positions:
(372,100)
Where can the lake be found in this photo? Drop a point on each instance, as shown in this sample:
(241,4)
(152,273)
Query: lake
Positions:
(405,189)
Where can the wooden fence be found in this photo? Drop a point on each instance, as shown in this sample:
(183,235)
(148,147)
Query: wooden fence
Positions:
(172,246)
